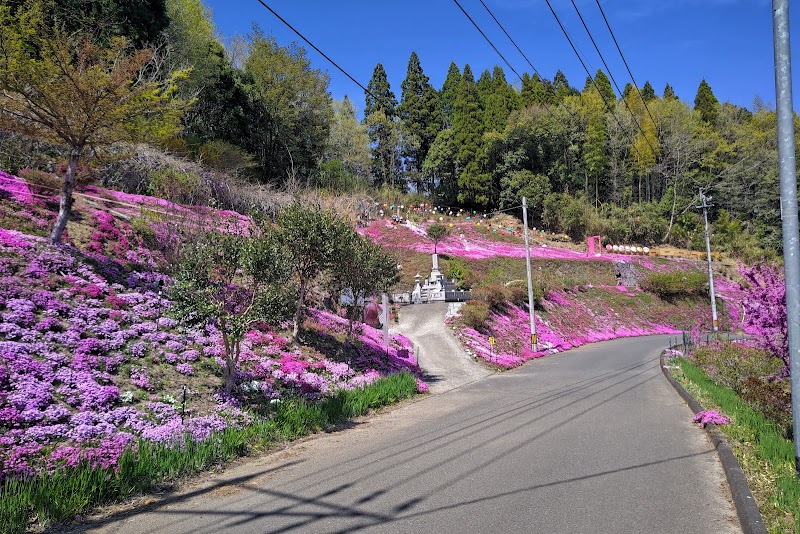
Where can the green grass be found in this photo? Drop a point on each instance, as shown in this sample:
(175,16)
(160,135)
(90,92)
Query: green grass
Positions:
(59,496)
(766,457)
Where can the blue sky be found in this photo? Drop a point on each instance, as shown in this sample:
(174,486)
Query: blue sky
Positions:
(680,42)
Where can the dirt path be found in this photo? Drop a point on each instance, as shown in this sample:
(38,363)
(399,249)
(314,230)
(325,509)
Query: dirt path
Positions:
(444,362)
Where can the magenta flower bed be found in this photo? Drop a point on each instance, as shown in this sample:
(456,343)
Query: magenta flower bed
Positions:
(567,324)
(90,361)
(474,242)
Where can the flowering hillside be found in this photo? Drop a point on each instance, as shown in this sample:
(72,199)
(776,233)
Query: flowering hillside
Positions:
(580,304)
(90,359)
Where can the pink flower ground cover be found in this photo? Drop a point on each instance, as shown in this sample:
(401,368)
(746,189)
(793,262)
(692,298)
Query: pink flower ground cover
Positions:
(572,319)
(90,360)
(474,242)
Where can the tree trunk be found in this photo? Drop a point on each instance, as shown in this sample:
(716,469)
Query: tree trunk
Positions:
(298,312)
(65,203)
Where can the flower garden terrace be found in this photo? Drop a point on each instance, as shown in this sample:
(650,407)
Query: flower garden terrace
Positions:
(90,361)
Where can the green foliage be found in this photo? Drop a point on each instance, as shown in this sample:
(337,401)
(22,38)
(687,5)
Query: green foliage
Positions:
(63,494)
(566,214)
(473,183)
(420,112)
(669,93)
(496,296)
(706,103)
(77,93)
(346,161)
(449,93)
(310,238)
(436,232)
(676,284)
(291,110)
(457,268)
(648,93)
(731,364)
(174,185)
(235,281)
(362,269)
(474,314)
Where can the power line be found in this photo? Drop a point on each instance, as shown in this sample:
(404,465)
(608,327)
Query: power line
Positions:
(625,62)
(505,60)
(589,74)
(323,54)
(597,48)
(510,38)
(487,39)
(524,56)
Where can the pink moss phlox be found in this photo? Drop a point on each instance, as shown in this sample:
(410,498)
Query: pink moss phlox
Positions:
(17,188)
(710,416)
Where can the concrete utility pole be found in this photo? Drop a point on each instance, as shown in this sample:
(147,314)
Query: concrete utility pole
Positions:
(789,217)
(704,205)
(528,265)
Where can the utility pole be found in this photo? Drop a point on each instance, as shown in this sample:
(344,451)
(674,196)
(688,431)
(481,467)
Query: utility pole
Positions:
(704,205)
(789,217)
(528,265)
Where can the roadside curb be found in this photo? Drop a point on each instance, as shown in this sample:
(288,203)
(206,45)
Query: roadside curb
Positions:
(746,507)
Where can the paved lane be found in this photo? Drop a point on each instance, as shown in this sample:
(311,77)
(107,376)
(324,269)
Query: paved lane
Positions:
(444,362)
(589,441)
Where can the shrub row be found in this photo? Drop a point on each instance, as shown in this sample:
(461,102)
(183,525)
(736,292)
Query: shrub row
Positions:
(678,284)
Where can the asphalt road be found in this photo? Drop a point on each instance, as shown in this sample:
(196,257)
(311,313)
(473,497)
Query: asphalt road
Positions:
(589,441)
(445,364)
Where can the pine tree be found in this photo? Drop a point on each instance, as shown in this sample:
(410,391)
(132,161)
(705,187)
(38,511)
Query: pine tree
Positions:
(669,93)
(562,87)
(384,98)
(474,187)
(648,93)
(706,103)
(603,84)
(626,91)
(379,115)
(526,95)
(499,102)
(449,93)
(420,112)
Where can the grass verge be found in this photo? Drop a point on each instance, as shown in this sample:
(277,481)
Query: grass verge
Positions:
(61,495)
(766,457)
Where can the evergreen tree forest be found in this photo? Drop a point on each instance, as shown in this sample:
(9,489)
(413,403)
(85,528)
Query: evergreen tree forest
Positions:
(626,166)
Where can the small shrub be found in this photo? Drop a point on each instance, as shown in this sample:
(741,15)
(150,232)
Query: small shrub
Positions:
(41,182)
(459,270)
(474,314)
(674,285)
(518,293)
(84,174)
(177,186)
(772,397)
(730,364)
(495,296)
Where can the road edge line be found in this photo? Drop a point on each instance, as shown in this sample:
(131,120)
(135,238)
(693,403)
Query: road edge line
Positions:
(746,508)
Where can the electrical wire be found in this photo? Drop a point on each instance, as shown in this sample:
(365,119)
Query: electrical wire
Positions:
(589,74)
(546,107)
(624,61)
(323,54)
(597,48)
(544,104)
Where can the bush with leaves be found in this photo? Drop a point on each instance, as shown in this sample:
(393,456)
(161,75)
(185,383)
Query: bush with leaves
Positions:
(677,284)
(234,281)
(474,314)
(311,238)
(361,269)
